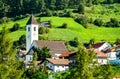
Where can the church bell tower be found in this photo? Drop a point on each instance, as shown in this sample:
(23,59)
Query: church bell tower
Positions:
(31,32)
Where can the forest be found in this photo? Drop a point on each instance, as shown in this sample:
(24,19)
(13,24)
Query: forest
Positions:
(20,7)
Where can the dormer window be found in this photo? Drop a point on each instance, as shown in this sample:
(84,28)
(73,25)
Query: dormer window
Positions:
(34,28)
(28,29)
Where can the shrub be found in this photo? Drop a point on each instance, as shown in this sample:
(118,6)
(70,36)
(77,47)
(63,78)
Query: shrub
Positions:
(74,42)
(117,42)
(15,27)
(48,12)
(41,30)
(50,23)
(81,9)
(113,23)
(1,21)
(69,14)
(47,30)
(98,22)
(64,25)
(82,20)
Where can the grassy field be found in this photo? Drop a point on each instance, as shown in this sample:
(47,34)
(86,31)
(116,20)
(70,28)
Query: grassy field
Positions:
(74,30)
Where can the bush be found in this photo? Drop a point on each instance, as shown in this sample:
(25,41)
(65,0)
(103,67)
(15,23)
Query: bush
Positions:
(81,9)
(64,25)
(82,20)
(50,23)
(48,12)
(4,20)
(47,30)
(41,30)
(15,27)
(69,14)
(113,23)
(74,42)
(98,22)
(1,21)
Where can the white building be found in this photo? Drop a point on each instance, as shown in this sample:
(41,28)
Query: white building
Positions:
(57,65)
(31,32)
(102,46)
(112,56)
(102,58)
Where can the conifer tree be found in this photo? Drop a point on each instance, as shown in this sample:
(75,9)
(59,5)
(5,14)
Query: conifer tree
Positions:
(82,67)
(10,67)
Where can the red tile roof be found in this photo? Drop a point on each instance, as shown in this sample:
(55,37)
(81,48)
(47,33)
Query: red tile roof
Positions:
(97,45)
(66,54)
(58,61)
(100,54)
(56,47)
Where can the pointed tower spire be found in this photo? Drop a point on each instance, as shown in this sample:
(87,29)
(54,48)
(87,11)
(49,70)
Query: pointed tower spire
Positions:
(31,20)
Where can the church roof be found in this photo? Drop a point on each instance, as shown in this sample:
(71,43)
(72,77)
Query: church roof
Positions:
(32,20)
(56,47)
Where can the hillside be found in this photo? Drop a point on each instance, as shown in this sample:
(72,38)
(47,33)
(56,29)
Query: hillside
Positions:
(74,30)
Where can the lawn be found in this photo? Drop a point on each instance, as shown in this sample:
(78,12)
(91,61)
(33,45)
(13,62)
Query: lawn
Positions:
(76,30)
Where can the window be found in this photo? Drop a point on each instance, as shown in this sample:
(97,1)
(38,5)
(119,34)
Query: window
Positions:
(28,29)
(30,58)
(34,28)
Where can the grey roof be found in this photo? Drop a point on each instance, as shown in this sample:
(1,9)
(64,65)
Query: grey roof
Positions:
(56,47)
(31,20)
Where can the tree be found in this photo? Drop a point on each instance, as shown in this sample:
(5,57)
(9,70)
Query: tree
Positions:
(64,25)
(21,43)
(113,23)
(117,42)
(109,1)
(82,20)
(43,53)
(81,68)
(74,42)
(98,22)
(85,66)
(41,30)
(15,27)
(81,9)
(92,41)
(10,67)
(61,4)
(48,12)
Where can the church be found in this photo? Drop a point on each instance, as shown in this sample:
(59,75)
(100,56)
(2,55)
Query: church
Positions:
(56,47)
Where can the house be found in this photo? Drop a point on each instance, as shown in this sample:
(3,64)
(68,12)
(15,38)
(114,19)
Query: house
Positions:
(114,55)
(57,65)
(102,46)
(102,58)
(71,56)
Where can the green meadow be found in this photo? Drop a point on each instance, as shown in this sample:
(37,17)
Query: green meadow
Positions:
(73,30)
